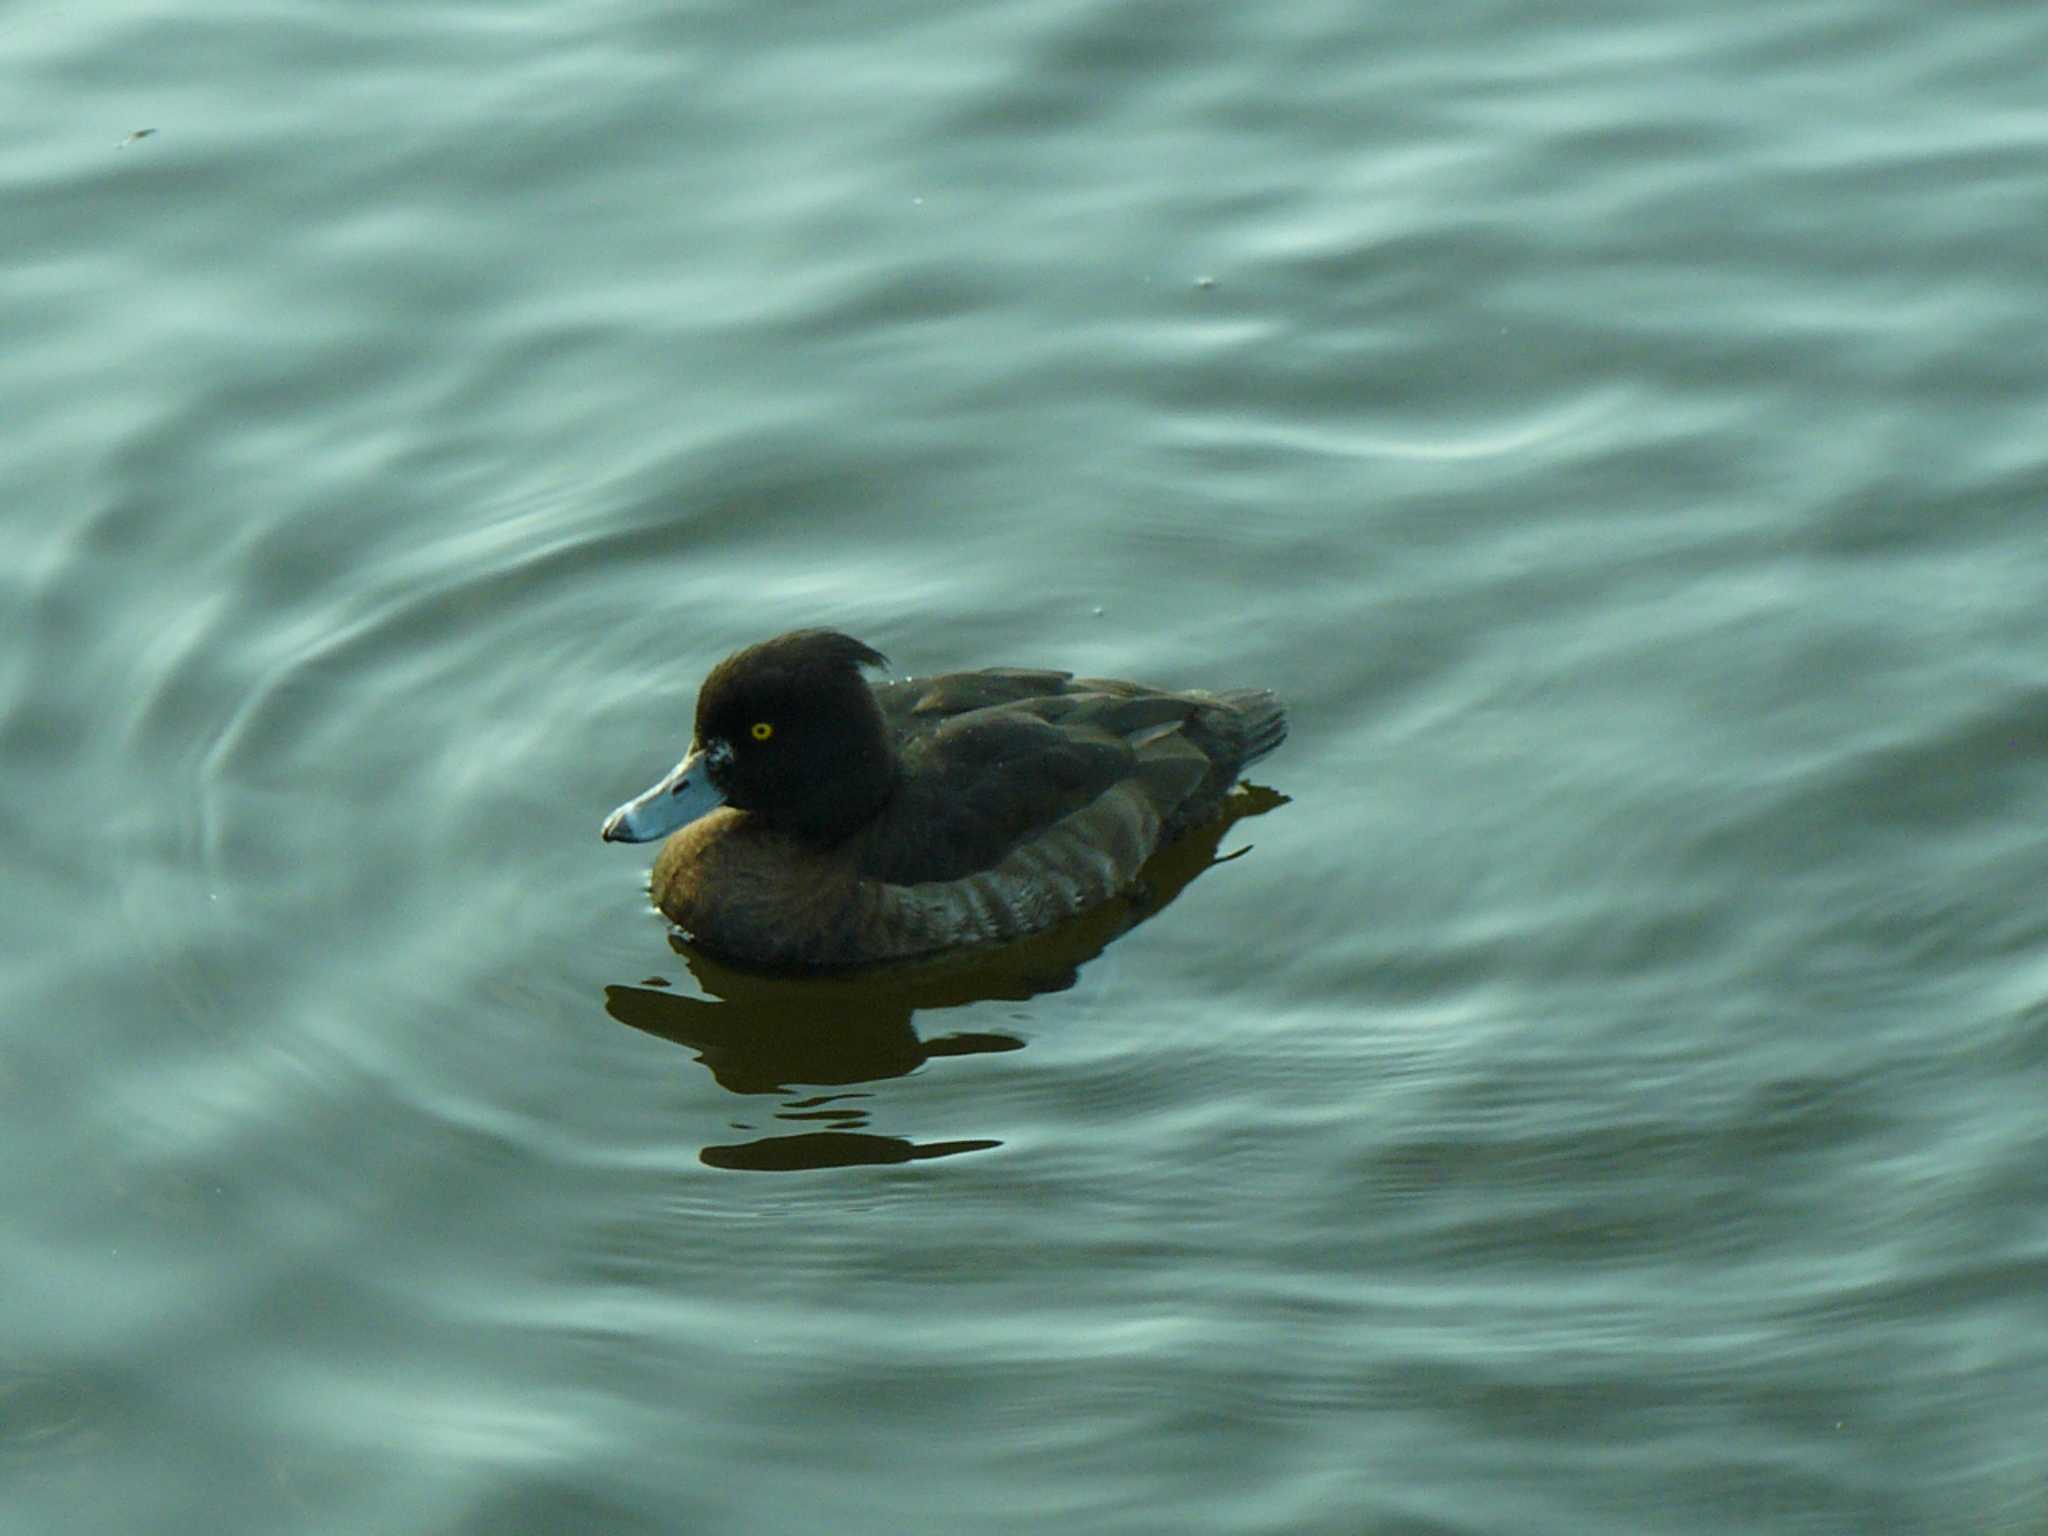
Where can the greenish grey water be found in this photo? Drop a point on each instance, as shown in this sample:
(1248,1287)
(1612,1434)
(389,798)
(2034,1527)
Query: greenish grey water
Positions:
(1606,1097)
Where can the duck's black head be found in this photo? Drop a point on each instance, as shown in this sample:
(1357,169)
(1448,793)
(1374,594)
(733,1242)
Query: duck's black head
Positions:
(787,731)
(804,746)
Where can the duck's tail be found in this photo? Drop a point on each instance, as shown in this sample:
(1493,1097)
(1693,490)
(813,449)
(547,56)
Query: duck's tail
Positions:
(1262,718)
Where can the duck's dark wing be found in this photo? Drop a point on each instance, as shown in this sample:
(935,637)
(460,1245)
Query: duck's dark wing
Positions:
(1027,797)
(993,762)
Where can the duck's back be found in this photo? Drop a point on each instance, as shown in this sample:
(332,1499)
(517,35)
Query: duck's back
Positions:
(1028,796)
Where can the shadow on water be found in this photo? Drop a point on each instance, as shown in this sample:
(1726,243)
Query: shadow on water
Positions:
(765,1034)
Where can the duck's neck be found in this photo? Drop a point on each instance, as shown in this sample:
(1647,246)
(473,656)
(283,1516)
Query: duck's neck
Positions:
(848,801)
(836,798)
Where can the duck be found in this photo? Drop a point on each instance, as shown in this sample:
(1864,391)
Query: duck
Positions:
(824,820)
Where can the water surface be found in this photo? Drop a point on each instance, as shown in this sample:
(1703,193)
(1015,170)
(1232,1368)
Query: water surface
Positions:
(1605,1097)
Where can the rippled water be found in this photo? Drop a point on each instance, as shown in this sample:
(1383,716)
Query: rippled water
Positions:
(1605,1097)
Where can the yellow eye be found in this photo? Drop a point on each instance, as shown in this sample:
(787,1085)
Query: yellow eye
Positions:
(761,730)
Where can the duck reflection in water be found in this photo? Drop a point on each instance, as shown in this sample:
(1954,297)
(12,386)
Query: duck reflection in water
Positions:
(767,1034)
